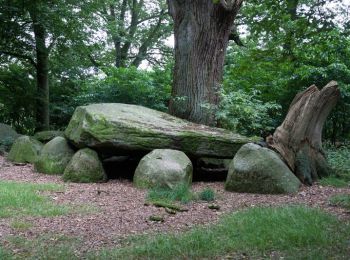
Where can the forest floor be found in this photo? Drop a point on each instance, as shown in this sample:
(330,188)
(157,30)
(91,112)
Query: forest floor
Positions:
(116,209)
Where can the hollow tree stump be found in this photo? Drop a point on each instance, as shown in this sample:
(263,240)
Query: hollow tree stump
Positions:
(299,138)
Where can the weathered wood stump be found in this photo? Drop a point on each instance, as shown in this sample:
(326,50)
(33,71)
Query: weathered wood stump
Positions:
(299,138)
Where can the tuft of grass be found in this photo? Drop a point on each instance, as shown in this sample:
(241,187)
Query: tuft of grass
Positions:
(23,199)
(207,194)
(341,200)
(180,193)
(254,232)
(21,225)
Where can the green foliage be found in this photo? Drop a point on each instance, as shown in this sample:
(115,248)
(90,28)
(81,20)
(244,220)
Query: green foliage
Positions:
(341,200)
(120,85)
(130,86)
(290,45)
(17,98)
(180,193)
(338,159)
(292,231)
(207,194)
(22,199)
(246,114)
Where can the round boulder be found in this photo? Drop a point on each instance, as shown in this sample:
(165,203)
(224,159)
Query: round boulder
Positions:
(25,150)
(257,169)
(84,166)
(164,168)
(54,156)
(7,137)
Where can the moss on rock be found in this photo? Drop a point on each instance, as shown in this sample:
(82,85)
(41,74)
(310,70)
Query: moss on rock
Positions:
(25,150)
(85,166)
(54,156)
(120,128)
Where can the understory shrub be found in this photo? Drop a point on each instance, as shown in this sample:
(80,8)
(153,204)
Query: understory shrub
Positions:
(338,159)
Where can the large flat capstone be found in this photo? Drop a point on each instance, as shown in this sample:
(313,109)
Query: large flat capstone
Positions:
(116,129)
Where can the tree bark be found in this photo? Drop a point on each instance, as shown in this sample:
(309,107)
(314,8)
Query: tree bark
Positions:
(202,29)
(299,138)
(42,74)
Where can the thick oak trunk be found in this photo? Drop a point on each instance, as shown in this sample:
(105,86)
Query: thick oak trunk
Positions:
(299,138)
(202,29)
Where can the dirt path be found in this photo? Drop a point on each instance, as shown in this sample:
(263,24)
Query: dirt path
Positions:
(121,210)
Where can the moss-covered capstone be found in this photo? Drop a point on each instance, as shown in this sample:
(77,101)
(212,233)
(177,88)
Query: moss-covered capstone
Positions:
(163,168)
(54,156)
(7,137)
(84,166)
(257,169)
(25,150)
(121,128)
(46,136)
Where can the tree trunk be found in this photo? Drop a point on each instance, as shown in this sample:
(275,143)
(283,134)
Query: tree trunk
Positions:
(299,138)
(42,75)
(202,29)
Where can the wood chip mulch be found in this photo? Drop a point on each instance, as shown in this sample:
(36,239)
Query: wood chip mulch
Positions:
(120,210)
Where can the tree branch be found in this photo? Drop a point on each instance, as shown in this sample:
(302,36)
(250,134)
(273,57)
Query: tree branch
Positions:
(96,64)
(231,5)
(19,56)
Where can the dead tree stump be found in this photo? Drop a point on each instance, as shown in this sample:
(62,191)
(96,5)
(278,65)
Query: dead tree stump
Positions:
(299,138)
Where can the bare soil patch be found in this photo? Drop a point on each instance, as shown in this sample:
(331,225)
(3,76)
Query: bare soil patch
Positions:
(121,210)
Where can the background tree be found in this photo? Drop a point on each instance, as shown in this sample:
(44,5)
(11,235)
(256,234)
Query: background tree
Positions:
(135,31)
(29,32)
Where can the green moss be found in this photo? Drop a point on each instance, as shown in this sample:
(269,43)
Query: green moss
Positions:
(25,150)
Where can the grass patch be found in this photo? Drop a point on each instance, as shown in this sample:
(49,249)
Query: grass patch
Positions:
(4,254)
(21,225)
(294,231)
(23,199)
(340,200)
(180,193)
(333,181)
(44,247)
